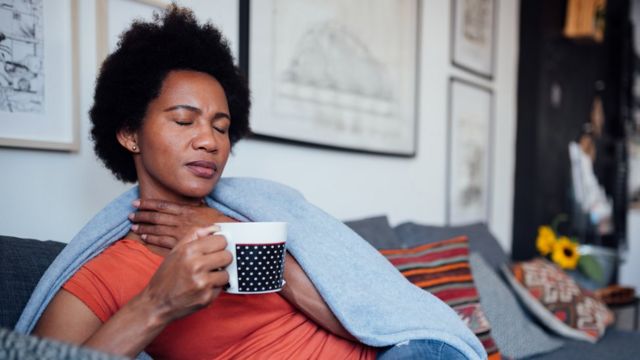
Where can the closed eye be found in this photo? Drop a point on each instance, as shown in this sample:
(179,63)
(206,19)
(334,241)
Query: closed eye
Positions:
(221,130)
(183,123)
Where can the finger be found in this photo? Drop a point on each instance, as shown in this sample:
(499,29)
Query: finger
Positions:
(158,205)
(210,262)
(154,217)
(218,279)
(161,241)
(158,230)
(207,230)
(208,244)
(213,262)
(197,233)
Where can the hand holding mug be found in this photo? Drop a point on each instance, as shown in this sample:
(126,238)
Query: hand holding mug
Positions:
(191,276)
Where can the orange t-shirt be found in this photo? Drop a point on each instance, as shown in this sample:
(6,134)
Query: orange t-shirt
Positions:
(261,326)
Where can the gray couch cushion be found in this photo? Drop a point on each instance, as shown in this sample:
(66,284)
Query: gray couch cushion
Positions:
(480,239)
(516,335)
(23,263)
(376,230)
(615,344)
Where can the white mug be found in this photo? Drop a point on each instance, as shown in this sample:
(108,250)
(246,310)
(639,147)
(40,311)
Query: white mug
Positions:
(258,250)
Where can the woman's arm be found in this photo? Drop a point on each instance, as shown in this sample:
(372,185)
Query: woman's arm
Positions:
(187,280)
(301,293)
(160,223)
(127,333)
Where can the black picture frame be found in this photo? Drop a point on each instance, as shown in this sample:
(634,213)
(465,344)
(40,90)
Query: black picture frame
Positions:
(244,62)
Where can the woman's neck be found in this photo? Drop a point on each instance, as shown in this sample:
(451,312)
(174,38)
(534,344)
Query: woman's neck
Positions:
(147,192)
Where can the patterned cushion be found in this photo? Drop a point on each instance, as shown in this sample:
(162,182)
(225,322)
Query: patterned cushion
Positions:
(557,301)
(515,333)
(442,268)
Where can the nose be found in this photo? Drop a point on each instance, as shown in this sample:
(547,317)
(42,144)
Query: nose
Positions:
(205,138)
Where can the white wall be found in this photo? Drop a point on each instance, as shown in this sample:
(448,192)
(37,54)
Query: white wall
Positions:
(51,195)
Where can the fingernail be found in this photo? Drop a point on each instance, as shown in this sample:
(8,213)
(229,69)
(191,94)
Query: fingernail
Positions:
(135,227)
(136,203)
(143,236)
(131,216)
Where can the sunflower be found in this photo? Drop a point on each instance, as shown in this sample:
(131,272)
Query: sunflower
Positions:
(546,240)
(565,253)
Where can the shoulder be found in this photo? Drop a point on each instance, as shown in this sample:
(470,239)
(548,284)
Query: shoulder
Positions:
(108,281)
(124,253)
(123,267)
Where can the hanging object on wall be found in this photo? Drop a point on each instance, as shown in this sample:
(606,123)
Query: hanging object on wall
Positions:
(39,75)
(473,35)
(585,19)
(469,164)
(333,73)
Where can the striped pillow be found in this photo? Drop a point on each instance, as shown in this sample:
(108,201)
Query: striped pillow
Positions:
(442,268)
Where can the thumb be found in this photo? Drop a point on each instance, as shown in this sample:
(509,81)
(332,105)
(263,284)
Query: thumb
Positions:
(202,232)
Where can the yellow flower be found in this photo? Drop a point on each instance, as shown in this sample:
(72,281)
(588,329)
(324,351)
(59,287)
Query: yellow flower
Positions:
(565,253)
(546,240)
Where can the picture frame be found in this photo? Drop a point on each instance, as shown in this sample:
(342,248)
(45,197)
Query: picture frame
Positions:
(109,26)
(470,153)
(39,78)
(473,36)
(333,74)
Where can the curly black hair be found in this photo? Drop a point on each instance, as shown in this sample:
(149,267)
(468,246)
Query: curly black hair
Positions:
(132,76)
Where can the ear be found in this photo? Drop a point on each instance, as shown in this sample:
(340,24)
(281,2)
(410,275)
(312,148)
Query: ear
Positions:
(129,140)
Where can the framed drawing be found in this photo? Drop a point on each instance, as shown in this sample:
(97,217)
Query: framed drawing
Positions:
(114,16)
(473,35)
(38,74)
(470,139)
(333,73)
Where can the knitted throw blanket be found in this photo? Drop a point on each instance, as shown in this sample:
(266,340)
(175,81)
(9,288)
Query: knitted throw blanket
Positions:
(372,300)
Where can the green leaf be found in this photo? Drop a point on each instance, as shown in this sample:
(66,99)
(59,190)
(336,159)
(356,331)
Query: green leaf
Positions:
(591,268)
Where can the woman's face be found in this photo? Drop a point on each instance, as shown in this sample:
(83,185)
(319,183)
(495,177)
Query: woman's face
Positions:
(183,144)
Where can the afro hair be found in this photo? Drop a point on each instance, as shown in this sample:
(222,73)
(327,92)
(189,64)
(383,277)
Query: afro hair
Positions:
(132,76)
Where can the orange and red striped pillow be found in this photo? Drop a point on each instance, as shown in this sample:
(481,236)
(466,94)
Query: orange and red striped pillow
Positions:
(442,268)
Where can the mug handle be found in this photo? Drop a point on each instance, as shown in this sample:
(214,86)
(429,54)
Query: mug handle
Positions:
(232,268)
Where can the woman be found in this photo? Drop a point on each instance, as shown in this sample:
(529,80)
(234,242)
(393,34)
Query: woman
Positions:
(169,105)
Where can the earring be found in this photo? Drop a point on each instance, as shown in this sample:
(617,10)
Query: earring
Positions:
(134,148)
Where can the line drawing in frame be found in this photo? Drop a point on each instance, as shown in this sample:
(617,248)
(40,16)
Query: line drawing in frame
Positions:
(39,80)
(469,153)
(473,36)
(320,80)
(106,35)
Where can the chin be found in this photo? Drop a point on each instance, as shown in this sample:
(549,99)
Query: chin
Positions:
(198,191)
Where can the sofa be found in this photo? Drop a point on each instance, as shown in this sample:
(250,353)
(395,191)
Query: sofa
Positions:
(516,333)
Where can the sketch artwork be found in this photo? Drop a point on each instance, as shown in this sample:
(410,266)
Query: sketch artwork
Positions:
(334,80)
(338,73)
(475,27)
(21,56)
(473,35)
(469,153)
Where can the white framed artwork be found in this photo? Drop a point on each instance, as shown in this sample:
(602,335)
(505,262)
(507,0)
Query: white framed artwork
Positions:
(469,165)
(115,16)
(38,74)
(473,35)
(331,73)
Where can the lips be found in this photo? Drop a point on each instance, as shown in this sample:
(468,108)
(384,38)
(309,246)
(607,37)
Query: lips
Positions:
(203,169)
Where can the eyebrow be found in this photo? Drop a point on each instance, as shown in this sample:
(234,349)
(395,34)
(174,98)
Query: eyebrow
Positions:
(196,110)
